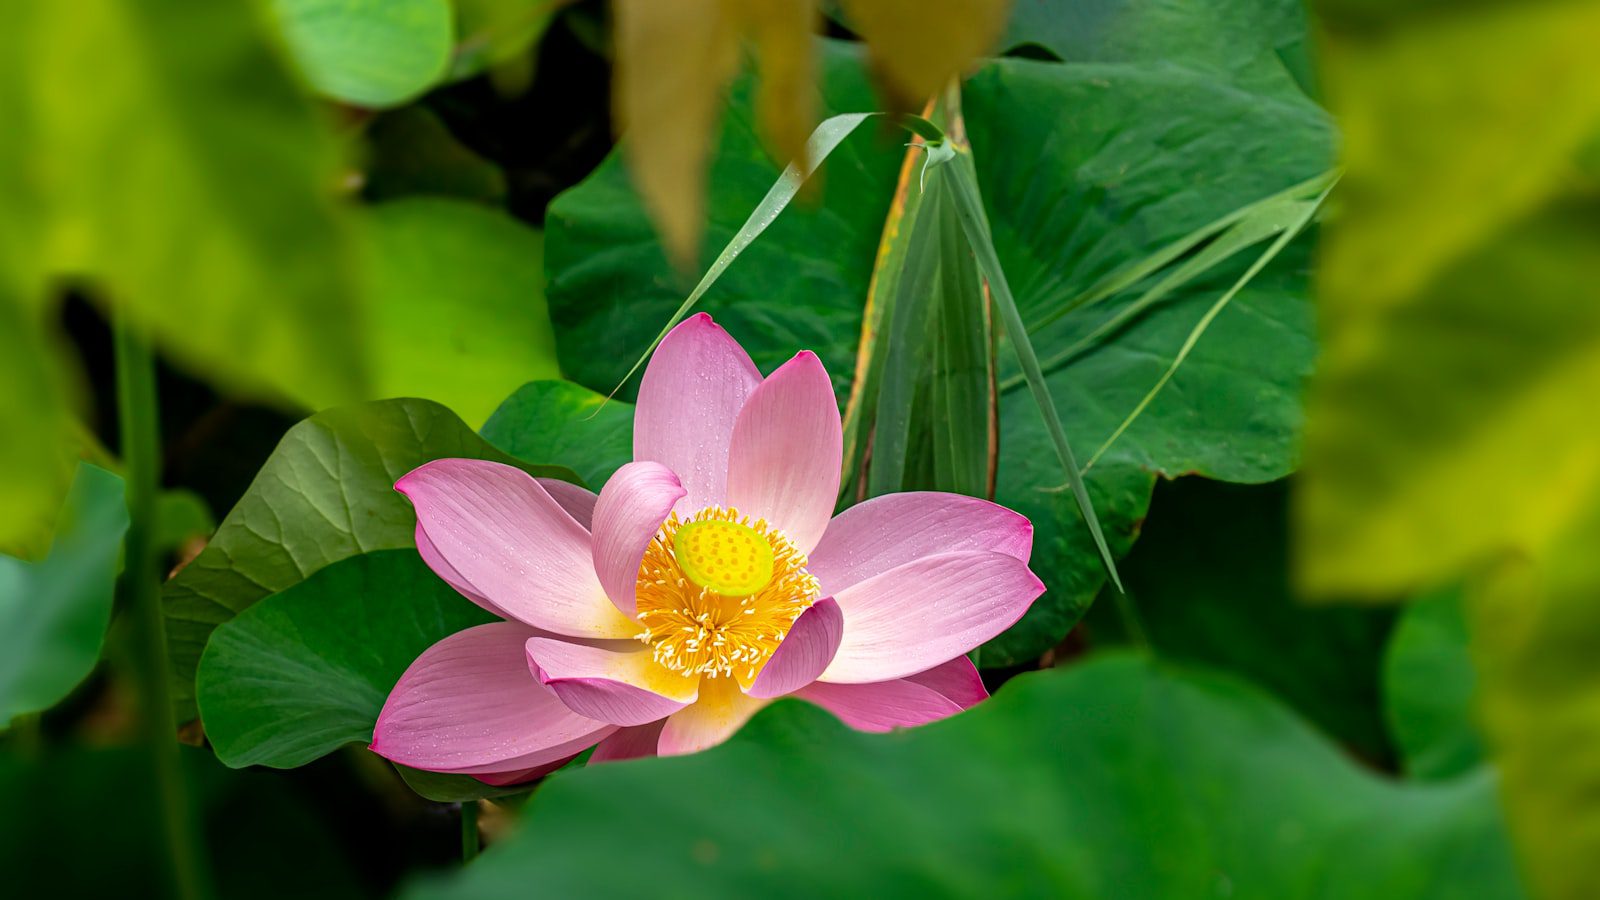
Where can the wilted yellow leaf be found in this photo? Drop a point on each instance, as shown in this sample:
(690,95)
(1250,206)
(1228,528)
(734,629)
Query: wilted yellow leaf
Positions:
(919,45)
(674,59)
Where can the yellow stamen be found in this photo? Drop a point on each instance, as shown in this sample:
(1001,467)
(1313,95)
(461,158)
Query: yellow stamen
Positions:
(717,593)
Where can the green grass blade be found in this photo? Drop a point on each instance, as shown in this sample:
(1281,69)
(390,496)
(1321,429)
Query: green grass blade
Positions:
(1137,271)
(824,139)
(1263,219)
(1307,210)
(961,184)
(822,142)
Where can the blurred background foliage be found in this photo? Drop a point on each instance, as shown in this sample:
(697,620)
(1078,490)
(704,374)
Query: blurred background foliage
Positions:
(361,235)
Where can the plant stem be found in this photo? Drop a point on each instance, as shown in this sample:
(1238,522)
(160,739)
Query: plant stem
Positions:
(469,831)
(141,601)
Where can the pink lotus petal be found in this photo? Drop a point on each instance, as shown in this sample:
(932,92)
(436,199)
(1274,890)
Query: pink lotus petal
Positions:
(806,650)
(518,776)
(957,679)
(721,710)
(882,705)
(628,688)
(926,612)
(691,394)
(578,502)
(442,568)
(632,506)
(783,464)
(876,535)
(468,704)
(629,743)
(503,535)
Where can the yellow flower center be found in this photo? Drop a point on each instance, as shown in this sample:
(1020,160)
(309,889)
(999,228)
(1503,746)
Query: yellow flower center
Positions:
(717,593)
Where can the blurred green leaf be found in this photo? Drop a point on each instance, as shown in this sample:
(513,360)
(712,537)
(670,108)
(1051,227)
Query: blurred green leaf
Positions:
(1534,626)
(181,515)
(565,423)
(1448,438)
(493,32)
(409,151)
(1117,778)
(304,671)
(368,52)
(34,472)
(1429,686)
(458,293)
(799,286)
(160,153)
(1210,580)
(83,822)
(326,494)
(54,613)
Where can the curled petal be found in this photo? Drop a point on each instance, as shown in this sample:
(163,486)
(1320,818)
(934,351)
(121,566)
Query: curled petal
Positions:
(632,506)
(784,462)
(690,396)
(505,537)
(926,612)
(806,651)
(876,535)
(468,704)
(518,776)
(957,679)
(622,688)
(882,705)
(578,502)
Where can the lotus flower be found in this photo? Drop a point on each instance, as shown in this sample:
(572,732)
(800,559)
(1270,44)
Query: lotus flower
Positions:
(707,579)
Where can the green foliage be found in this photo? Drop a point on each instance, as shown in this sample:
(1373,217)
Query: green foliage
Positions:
(1118,778)
(325,494)
(368,52)
(1429,685)
(458,290)
(558,420)
(53,613)
(1068,206)
(300,673)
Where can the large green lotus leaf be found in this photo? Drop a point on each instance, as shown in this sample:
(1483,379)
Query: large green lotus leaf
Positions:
(305,671)
(54,613)
(1117,778)
(157,152)
(559,420)
(458,293)
(82,822)
(1259,42)
(1209,580)
(325,494)
(800,286)
(1148,154)
(1429,686)
(368,52)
